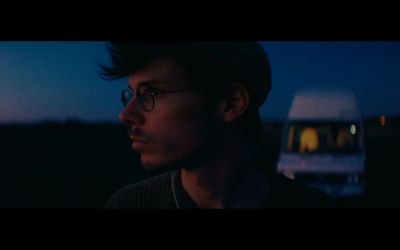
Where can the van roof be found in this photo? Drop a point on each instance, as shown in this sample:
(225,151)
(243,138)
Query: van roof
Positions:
(324,104)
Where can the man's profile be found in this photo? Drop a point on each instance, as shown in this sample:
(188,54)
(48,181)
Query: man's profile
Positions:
(193,110)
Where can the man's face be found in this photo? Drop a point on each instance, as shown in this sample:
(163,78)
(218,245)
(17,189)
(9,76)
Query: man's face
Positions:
(182,126)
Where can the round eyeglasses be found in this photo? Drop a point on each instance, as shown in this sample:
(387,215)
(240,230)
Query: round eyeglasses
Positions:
(145,96)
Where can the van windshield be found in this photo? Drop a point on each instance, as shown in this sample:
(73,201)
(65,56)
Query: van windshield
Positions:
(322,138)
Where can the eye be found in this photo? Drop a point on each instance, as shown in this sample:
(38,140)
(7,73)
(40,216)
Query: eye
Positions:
(147,93)
(144,91)
(155,92)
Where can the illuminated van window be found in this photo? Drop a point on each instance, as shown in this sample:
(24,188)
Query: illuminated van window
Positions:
(344,138)
(322,137)
(309,140)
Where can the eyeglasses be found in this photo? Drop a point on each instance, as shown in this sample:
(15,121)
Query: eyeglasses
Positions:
(145,96)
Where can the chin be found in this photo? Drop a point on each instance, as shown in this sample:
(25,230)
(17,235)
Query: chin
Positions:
(153,163)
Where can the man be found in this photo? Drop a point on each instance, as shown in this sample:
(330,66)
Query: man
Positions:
(193,111)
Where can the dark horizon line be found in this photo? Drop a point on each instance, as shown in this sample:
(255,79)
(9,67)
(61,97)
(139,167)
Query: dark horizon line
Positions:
(76,121)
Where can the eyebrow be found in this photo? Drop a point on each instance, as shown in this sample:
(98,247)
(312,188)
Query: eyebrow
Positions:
(149,83)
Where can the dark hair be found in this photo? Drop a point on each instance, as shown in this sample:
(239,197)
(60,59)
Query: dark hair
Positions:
(202,70)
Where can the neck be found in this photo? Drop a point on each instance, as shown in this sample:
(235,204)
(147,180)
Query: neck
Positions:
(225,181)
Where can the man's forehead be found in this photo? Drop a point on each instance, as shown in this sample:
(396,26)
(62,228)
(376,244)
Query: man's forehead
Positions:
(161,72)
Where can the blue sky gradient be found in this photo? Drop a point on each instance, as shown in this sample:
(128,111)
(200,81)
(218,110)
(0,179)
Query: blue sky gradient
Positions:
(59,80)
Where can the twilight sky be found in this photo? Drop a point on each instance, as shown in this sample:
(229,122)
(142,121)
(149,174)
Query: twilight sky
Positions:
(58,80)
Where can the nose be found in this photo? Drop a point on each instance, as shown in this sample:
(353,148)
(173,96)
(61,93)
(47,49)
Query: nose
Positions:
(131,114)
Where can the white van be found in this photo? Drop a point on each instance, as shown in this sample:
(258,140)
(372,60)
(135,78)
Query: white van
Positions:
(323,143)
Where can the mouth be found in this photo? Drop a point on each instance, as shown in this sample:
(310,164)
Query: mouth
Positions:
(139,145)
(137,141)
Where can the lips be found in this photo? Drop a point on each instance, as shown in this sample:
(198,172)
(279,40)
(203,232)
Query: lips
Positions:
(138,142)
(138,139)
(138,145)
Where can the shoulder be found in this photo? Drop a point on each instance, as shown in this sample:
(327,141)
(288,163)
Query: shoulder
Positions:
(149,193)
(288,193)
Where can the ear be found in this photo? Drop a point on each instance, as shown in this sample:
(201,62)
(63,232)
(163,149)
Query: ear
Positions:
(235,102)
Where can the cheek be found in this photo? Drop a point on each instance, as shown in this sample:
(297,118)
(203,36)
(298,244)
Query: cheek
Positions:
(186,129)
(181,135)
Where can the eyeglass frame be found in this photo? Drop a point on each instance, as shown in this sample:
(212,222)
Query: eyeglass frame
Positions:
(155,92)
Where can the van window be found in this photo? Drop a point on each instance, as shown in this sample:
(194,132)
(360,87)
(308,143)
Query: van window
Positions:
(322,137)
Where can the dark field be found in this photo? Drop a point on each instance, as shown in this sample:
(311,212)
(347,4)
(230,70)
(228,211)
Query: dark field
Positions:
(74,165)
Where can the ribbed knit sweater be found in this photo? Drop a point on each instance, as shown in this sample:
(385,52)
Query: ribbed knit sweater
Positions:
(166,192)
